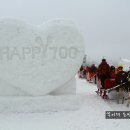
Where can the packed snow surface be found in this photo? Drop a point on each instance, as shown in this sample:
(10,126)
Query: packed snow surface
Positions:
(84,111)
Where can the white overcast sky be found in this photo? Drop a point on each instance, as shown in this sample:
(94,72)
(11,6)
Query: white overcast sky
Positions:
(105,24)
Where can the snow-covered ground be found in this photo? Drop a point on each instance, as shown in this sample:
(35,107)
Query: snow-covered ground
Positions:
(84,111)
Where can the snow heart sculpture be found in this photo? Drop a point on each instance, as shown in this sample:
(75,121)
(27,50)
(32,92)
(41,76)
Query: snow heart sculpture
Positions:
(35,60)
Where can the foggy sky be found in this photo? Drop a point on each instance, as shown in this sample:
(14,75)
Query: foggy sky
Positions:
(105,24)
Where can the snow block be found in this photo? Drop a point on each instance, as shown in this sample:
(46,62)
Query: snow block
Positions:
(66,89)
(36,60)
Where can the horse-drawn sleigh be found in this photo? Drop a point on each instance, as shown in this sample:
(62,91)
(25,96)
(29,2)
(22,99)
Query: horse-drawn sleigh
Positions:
(119,86)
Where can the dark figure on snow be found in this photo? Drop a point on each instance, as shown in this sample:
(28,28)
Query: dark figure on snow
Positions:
(128,75)
(112,72)
(93,70)
(128,79)
(110,81)
(82,72)
(121,80)
(103,71)
(128,89)
(121,75)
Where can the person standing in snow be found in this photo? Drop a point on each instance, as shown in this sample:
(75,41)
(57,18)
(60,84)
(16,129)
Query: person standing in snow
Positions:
(120,75)
(128,76)
(103,72)
(110,82)
(128,87)
(93,70)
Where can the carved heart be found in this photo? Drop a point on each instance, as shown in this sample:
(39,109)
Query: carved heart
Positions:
(35,60)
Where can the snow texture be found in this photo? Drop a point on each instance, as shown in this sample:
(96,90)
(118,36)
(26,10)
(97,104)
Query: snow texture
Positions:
(66,89)
(36,60)
(84,111)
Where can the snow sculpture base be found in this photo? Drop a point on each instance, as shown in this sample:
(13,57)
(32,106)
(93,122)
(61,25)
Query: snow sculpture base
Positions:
(40,104)
(68,88)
